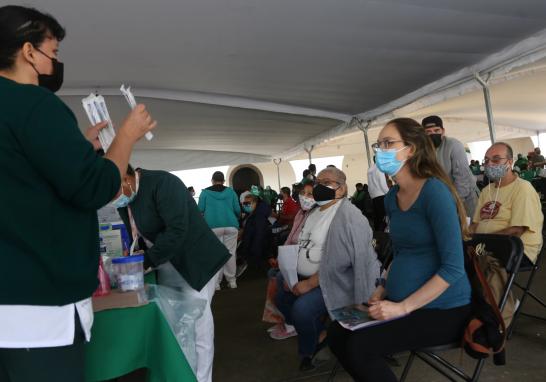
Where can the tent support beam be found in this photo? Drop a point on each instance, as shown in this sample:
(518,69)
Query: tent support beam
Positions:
(488,107)
(211,99)
(365,129)
(278,163)
(309,151)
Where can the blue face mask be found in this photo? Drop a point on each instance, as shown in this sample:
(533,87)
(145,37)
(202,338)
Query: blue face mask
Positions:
(124,200)
(247,208)
(387,162)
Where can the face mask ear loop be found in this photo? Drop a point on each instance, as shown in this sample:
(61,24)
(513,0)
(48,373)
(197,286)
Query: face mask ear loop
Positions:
(494,203)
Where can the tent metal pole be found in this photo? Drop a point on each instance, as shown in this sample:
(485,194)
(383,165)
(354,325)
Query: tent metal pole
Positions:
(309,151)
(488,107)
(278,163)
(364,129)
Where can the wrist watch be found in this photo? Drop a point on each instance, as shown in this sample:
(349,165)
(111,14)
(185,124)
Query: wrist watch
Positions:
(381,281)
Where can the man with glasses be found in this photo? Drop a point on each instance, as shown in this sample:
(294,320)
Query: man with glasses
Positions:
(452,156)
(508,205)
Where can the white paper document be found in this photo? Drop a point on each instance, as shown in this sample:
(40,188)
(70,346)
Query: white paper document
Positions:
(97,112)
(288,263)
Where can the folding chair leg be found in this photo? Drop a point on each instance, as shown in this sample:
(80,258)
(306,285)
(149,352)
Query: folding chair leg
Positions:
(407,367)
(334,371)
(526,291)
(478,370)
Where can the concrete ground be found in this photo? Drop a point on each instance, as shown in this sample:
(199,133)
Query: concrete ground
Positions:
(245,353)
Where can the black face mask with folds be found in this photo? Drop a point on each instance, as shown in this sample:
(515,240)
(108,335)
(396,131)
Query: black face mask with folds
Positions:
(53,81)
(322,193)
(436,139)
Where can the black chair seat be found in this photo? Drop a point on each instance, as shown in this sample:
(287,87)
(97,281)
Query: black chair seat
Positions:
(509,251)
(440,348)
(526,265)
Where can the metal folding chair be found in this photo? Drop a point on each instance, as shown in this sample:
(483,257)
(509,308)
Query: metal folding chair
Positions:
(509,251)
(528,266)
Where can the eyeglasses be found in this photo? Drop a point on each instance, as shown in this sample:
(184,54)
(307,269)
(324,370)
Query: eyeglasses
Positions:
(326,182)
(494,160)
(384,145)
(247,203)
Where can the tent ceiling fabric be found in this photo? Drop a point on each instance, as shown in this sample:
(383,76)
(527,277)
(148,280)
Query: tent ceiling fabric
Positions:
(344,57)
(519,109)
(192,126)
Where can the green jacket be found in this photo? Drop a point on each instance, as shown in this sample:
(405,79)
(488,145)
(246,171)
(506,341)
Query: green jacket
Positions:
(166,214)
(51,185)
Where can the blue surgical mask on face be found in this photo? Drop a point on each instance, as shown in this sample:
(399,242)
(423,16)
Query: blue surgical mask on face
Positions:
(124,200)
(387,162)
(247,208)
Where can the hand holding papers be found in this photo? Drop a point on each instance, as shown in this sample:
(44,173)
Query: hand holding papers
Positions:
(97,112)
(356,317)
(288,263)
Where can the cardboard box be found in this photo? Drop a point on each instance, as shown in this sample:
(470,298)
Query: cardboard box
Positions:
(117,299)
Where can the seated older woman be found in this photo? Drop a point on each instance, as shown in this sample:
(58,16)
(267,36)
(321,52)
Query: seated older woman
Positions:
(337,265)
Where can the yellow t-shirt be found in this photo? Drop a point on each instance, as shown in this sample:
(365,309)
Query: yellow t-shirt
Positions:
(517,205)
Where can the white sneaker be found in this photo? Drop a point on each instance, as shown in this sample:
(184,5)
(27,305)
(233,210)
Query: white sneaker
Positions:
(232,284)
(275,327)
(283,333)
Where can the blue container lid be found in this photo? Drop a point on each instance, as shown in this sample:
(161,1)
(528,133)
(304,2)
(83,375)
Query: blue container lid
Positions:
(128,259)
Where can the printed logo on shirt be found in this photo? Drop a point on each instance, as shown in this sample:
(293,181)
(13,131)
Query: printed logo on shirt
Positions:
(490,210)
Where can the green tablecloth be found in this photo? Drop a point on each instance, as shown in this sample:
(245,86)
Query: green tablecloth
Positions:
(124,340)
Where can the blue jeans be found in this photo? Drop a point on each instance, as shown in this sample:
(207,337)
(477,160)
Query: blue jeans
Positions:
(305,312)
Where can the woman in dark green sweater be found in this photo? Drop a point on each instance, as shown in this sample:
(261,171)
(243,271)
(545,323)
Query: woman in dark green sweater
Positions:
(52,182)
(162,217)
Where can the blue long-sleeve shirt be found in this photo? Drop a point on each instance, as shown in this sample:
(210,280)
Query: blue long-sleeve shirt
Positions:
(427,241)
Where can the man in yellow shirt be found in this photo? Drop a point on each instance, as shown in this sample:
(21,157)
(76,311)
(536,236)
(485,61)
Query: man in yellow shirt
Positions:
(508,205)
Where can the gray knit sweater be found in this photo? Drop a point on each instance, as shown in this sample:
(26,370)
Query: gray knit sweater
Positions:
(349,265)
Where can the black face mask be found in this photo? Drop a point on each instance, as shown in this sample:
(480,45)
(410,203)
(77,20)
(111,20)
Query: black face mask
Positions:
(322,193)
(52,81)
(436,139)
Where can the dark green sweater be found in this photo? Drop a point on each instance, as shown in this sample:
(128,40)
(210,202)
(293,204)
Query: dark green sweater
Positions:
(51,184)
(166,214)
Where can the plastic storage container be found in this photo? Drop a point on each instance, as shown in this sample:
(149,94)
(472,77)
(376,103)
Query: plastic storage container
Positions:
(129,272)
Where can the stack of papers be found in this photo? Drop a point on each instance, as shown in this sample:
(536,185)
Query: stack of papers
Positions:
(97,112)
(356,317)
(288,264)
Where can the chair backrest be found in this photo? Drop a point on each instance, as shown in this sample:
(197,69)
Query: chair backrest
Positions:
(507,249)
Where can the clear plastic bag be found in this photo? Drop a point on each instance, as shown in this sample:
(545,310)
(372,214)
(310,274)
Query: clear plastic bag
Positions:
(181,307)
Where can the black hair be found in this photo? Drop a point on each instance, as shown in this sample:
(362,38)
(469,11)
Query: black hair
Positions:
(130,170)
(218,176)
(312,167)
(190,189)
(359,185)
(306,173)
(296,189)
(285,190)
(19,25)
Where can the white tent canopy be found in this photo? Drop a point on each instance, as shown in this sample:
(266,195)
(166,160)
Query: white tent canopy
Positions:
(237,81)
